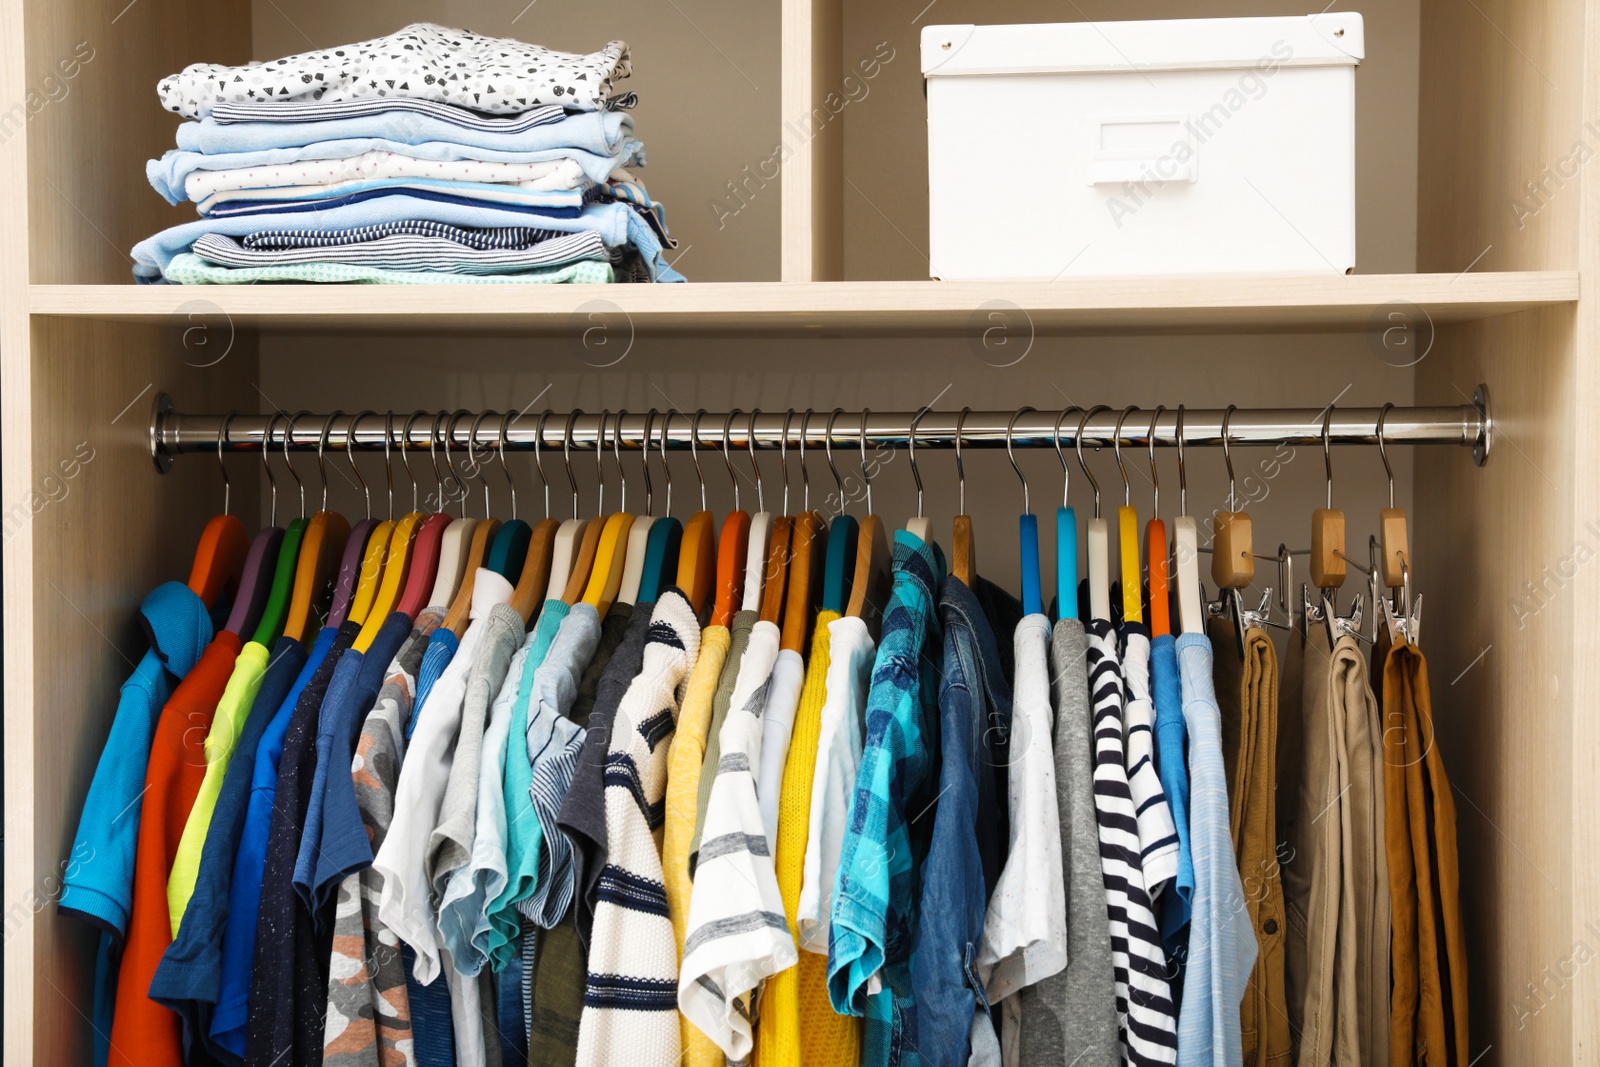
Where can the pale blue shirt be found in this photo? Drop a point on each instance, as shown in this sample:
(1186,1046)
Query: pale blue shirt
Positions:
(1222,944)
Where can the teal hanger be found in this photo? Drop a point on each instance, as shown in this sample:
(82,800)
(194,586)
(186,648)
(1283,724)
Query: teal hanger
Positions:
(843,536)
(509,549)
(666,533)
(1066,536)
(1027,531)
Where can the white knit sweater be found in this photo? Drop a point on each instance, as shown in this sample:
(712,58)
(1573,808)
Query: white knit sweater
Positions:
(630,1000)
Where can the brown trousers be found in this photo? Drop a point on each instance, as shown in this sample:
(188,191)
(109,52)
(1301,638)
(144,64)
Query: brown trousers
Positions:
(1428,1005)
(1336,889)
(1247,694)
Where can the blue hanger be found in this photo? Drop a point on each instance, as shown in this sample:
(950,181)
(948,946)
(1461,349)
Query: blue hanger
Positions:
(1028,532)
(666,534)
(1066,536)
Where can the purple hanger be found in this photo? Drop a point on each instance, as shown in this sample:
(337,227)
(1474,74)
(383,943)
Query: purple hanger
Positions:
(255,583)
(349,570)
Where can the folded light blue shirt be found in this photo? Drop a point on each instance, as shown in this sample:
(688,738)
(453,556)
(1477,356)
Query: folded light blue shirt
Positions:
(169,173)
(600,132)
(1222,944)
(617,224)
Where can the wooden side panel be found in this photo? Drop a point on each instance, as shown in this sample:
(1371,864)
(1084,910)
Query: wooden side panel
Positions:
(92,120)
(105,528)
(813,176)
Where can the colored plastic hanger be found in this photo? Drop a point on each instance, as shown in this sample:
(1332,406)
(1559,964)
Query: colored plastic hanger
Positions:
(361,535)
(325,538)
(1186,550)
(1128,536)
(427,550)
(638,543)
(1027,532)
(255,582)
(698,558)
(1097,537)
(1066,535)
(964,553)
(509,549)
(219,557)
(733,547)
(276,611)
(569,535)
(457,540)
(918,526)
(460,613)
(758,549)
(869,583)
(528,595)
(1155,538)
(665,533)
(397,560)
(605,577)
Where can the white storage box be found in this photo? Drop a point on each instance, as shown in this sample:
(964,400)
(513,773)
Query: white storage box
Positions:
(1184,146)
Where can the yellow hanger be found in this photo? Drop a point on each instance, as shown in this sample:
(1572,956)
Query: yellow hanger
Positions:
(460,613)
(320,549)
(397,559)
(605,577)
(1128,537)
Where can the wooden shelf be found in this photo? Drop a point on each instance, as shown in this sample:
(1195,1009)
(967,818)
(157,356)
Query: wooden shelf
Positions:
(1103,305)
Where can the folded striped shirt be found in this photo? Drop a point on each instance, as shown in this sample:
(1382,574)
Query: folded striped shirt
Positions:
(322,111)
(499,193)
(382,190)
(411,253)
(189,269)
(491,237)
(547,174)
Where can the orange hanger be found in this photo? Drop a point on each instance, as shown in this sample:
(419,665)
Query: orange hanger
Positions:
(1155,536)
(219,558)
(578,581)
(320,547)
(777,569)
(460,613)
(529,593)
(964,554)
(700,563)
(806,542)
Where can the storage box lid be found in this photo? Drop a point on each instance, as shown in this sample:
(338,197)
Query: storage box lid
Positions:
(1331,38)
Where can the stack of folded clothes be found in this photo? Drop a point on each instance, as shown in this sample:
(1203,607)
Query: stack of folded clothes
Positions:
(430,155)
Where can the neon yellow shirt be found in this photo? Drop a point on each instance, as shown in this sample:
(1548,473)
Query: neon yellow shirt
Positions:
(226,726)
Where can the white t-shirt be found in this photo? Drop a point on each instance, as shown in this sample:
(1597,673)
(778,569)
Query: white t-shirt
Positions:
(777,727)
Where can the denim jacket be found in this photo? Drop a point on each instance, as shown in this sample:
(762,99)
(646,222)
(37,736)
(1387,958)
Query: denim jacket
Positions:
(970,829)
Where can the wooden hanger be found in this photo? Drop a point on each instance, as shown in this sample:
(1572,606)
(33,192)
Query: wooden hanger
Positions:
(964,555)
(1128,537)
(1066,535)
(1233,563)
(807,539)
(563,554)
(529,592)
(583,564)
(325,537)
(1391,522)
(1027,532)
(459,616)
(1186,550)
(1155,538)
(219,557)
(776,570)
(1097,537)
(1328,568)
(869,584)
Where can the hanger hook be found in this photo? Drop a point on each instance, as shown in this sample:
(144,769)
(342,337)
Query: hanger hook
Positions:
(227,486)
(505,429)
(1066,472)
(483,479)
(566,456)
(694,453)
(644,461)
(1155,478)
(616,454)
(1027,507)
(350,454)
(433,455)
(865,477)
(666,468)
(1116,447)
(827,450)
(961,468)
(460,483)
(405,456)
(750,447)
(727,454)
(538,459)
(388,458)
(1383,451)
(1087,473)
(1183,471)
(911,452)
(1327,451)
(783,456)
(599,464)
(288,434)
(266,446)
(322,467)
(805,474)
(1227,452)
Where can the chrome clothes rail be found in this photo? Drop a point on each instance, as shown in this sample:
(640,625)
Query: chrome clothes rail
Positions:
(173,432)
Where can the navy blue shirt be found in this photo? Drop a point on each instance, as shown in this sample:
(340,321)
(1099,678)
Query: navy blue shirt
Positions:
(189,978)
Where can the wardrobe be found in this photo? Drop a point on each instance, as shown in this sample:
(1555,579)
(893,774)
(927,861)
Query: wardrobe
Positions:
(796,184)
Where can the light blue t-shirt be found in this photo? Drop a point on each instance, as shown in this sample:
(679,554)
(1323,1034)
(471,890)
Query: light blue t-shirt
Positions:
(1173,771)
(97,878)
(1222,944)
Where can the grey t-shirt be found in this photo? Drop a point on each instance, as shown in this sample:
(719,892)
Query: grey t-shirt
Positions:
(1071,1017)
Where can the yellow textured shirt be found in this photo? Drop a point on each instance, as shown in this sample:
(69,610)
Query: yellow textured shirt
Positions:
(226,725)
(798,1025)
(683,791)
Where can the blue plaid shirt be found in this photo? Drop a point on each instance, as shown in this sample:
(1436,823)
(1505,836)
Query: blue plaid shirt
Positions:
(874,904)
